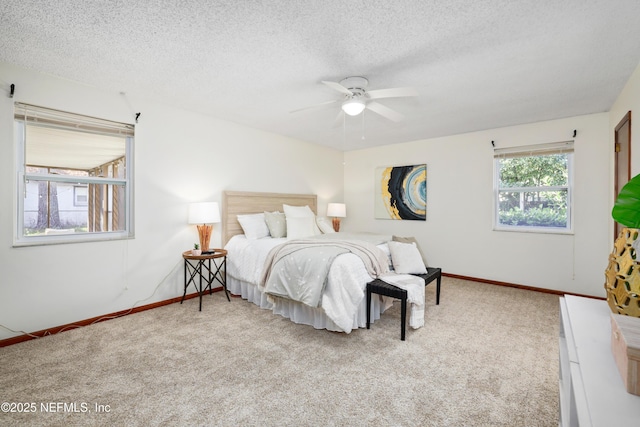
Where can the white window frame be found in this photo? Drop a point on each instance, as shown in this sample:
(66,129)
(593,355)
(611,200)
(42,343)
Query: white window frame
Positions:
(77,202)
(564,147)
(92,126)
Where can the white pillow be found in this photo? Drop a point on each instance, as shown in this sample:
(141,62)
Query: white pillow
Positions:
(297,211)
(387,252)
(298,228)
(254,226)
(325,225)
(276,223)
(300,212)
(406,258)
(411,240)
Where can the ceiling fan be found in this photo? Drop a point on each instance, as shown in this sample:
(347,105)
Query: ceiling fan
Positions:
(356,98)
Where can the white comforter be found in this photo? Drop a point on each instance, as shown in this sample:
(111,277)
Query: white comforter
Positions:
(346,282)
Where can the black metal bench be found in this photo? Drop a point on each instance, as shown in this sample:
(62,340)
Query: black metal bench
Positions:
(383,288)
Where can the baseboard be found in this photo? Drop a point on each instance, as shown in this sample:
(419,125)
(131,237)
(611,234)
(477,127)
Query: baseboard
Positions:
(57,329)
(86,322)
(514,285)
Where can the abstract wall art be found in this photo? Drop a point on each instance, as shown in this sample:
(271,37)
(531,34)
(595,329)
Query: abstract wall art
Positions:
(401,192)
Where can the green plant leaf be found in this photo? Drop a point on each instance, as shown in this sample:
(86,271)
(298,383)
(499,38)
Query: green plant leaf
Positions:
(626,210)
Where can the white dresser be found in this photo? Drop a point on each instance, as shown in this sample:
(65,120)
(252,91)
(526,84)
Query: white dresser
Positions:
(591,390)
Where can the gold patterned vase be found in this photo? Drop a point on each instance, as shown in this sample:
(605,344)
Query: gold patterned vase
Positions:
(623,274)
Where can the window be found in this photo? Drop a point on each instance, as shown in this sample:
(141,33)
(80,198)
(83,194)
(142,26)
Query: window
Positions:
(80,195)
(74,177)
(533,187)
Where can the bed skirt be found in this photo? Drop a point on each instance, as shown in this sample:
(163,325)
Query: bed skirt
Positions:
(303,314)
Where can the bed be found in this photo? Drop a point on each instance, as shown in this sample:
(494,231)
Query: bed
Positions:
(343,307)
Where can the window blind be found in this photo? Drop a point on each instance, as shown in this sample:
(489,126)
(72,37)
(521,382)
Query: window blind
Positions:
(35,115)
(562,147)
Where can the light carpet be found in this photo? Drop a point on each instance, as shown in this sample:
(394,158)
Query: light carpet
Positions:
(487,356)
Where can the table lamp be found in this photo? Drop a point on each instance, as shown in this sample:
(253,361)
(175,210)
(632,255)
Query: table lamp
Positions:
(204,214)
(337,211)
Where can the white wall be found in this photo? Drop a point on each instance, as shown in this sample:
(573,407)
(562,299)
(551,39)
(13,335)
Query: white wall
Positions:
(180,157)
(458,235)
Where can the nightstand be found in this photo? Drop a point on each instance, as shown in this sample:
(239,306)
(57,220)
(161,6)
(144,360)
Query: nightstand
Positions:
(207,267)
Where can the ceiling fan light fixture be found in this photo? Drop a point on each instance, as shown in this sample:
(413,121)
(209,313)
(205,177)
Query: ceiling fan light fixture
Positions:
(353,106)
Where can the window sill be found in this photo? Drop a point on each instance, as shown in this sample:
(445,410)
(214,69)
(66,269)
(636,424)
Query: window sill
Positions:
(70,238)
(535,230)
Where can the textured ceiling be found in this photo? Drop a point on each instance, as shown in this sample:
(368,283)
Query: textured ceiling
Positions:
(476,64)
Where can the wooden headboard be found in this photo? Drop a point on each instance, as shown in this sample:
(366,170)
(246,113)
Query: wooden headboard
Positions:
(236,203)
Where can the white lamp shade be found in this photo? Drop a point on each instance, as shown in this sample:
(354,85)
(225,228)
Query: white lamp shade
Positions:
(353,106)
(204,213)
(337,210)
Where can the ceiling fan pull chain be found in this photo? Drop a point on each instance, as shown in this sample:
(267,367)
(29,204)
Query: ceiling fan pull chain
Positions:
(344,129)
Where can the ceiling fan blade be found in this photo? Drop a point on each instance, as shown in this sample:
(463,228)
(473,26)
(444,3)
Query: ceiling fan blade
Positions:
(322,104)
(396,92)
(385,112)
(338,87)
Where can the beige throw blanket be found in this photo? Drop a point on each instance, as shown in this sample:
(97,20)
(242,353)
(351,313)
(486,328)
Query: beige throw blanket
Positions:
(414,286)
(298,269)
